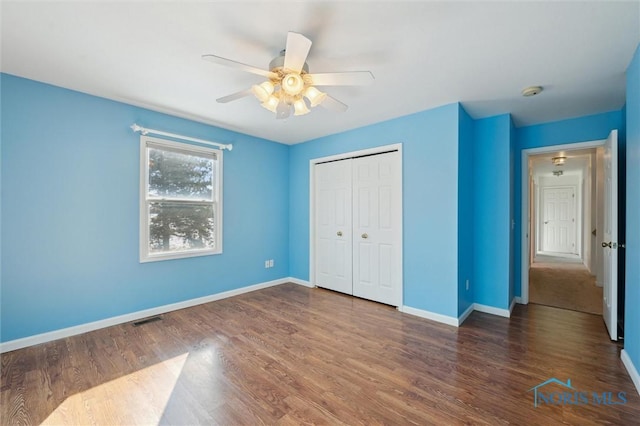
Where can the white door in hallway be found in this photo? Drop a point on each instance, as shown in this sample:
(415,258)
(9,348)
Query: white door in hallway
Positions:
(333,228)
(609,241)
(559,219)
(377,218)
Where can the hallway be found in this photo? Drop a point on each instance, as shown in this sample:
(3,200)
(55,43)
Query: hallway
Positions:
(564,283)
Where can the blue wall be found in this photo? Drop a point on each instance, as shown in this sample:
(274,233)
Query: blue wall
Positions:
(632,302)
(430,182)
(512,211)
(1,207)
(465,211)
(492,207)
(582,129)
(70,172)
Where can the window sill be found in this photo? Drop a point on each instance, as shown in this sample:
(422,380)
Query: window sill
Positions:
(146,258)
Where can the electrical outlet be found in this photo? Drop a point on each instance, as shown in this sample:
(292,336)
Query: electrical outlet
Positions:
(467,284)
(270,263)
(266,263)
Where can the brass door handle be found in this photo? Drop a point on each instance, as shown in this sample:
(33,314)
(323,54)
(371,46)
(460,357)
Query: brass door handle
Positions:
(339,233)
(606,244)
(365,236)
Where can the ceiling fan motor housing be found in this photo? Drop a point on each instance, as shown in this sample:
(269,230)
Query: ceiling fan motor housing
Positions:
(277,64)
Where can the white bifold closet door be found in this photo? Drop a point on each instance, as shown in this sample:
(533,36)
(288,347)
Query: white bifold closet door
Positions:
(358,208)
(333,225)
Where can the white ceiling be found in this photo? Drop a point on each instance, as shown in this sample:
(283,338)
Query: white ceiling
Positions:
(422,54)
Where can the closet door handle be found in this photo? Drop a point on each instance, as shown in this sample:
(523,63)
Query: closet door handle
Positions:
(339,233)
(365,236)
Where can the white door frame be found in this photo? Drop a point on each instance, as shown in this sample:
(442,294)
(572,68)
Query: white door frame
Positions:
(524,226)
(312,218)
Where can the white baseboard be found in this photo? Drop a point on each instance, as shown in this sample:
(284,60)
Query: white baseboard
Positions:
(519,300)
(300,282)
(429,315)
(107,322)
(456,322)
(465,314)
(633,371)
(491,310)
(513,303)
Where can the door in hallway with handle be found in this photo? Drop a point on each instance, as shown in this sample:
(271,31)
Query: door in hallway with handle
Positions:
(610,238)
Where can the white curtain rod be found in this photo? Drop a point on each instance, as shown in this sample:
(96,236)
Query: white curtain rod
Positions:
(145,131)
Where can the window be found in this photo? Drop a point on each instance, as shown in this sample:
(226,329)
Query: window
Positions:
(180,200)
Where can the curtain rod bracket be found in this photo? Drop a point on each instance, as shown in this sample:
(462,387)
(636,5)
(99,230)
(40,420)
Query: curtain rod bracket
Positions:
(144,131)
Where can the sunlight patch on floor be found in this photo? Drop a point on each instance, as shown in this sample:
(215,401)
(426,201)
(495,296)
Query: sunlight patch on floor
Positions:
(138,398)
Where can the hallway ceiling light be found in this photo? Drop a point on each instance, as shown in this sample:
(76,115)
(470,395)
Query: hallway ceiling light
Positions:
(558,161)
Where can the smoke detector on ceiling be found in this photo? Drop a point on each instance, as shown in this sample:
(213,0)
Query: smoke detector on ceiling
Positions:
(531,91)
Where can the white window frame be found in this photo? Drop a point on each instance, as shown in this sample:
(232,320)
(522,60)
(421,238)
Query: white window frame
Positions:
(145,142)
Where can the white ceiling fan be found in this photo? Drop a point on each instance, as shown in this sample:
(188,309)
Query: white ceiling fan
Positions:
(289,82)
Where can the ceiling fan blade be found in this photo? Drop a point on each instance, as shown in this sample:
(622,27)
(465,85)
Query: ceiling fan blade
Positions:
(333,104)
(354,78)
(234,96)
(283,110)
(296,51)
(238,65)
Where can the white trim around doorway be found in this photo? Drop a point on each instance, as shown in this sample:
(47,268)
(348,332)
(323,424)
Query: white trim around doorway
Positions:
(524,214)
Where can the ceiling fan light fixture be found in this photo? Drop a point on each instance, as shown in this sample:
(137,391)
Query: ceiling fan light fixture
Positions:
(289,81)
(263,90)
(300,107)
(271,103)
(314,95)
(292,84)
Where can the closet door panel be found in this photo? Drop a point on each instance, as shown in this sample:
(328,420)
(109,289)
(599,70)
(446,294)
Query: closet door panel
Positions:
(377,228)
(333,229)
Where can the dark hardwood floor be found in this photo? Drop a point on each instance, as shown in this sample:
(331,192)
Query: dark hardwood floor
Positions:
(293,355)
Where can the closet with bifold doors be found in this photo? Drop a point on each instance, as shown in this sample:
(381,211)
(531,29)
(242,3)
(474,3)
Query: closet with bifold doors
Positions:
(357,226)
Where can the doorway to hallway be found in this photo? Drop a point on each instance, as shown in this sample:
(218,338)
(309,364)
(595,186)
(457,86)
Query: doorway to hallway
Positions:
(596,240)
